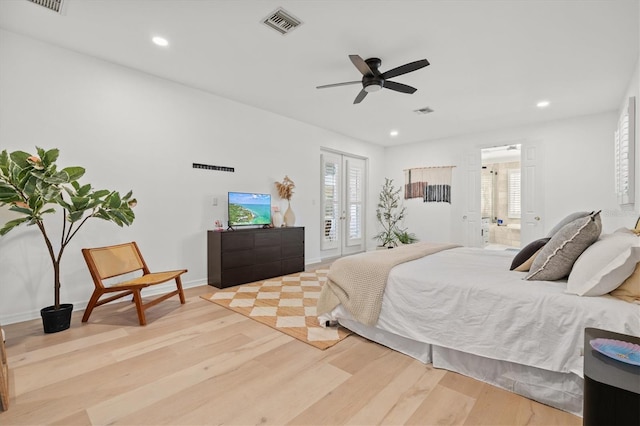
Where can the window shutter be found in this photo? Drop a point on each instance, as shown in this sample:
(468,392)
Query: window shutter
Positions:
(514,194)
(624,151)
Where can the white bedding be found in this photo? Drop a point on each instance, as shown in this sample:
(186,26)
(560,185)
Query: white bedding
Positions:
(467,300)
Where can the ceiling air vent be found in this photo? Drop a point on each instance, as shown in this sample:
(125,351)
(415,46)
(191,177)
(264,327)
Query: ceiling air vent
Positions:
(55,5)
(425,110)
(281,21)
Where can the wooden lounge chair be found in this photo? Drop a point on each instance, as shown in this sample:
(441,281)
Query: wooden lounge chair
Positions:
(108,262)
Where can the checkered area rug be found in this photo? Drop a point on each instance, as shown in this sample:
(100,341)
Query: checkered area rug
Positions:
(286,303)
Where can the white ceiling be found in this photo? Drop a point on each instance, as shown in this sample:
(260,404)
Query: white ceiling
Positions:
(491,61)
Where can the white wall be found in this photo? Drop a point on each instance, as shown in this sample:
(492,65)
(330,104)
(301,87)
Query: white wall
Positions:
(578,173)
(134,131)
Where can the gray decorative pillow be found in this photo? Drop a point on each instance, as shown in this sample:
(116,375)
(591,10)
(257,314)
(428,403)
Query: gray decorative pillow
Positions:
(557,257)
(567,220)
(525,255)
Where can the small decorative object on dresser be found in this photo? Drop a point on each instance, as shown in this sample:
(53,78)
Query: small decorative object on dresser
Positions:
(289,216)
(285,191)
(276,217)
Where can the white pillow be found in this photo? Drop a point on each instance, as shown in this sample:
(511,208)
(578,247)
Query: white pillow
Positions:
(605,264)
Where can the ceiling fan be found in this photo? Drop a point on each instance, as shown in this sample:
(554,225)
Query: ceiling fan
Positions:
(373,80)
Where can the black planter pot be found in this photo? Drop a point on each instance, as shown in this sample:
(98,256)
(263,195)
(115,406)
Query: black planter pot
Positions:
(54,320)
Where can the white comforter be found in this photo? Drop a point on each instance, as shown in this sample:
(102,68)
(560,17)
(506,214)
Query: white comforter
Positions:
(467,299)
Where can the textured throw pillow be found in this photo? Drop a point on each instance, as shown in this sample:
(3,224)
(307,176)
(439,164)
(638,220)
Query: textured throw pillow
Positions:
(523,260)
(629,290)
(567,220)
(557,256)
(605,265)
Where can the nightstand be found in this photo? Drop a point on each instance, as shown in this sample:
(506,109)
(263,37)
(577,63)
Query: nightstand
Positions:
(611,387)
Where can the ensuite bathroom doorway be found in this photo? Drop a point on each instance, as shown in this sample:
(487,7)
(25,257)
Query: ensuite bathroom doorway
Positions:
(500,197)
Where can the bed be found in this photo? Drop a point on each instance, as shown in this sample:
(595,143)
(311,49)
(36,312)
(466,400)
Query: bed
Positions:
(464,310)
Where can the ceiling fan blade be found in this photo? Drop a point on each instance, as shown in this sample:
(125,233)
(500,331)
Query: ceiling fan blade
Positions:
(361,65)
(339,84)
(360,96)
(403,69)
(399,87)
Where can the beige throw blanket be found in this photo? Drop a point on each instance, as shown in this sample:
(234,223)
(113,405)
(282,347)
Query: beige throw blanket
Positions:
(358,281)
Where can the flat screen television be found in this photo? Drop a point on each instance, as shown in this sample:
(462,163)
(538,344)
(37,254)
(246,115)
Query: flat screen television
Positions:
(247,208)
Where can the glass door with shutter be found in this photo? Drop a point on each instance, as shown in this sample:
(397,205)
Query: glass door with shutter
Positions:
(343,184)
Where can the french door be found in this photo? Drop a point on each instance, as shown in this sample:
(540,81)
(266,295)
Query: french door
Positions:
(343,188)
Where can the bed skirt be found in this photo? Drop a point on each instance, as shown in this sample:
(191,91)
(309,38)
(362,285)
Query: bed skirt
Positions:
(560,390)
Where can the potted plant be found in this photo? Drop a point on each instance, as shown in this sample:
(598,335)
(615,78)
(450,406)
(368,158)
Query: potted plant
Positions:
(405,237)
(389,214)
(32,186)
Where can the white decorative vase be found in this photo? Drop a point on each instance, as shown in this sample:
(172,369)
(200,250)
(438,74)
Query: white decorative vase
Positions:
(277,219)
(289,216)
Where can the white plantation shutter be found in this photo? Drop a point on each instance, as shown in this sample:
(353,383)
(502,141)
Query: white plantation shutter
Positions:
(513,188)
(330,202)
(355,195)
(624,151)
(487,193)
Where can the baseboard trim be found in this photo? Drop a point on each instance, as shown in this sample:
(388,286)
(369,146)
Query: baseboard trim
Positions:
(81,305)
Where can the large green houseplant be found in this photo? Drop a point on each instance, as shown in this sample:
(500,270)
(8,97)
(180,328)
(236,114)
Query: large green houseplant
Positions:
(31,185)
(390,214)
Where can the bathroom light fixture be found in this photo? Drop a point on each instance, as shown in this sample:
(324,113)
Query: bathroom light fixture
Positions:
(543,104)
(393,133)
(160,41)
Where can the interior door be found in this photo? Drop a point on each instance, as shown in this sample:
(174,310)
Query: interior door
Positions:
(343,189)
(471,218)
(532,198)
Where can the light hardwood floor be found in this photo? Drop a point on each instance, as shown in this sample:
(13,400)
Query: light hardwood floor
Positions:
(201,364)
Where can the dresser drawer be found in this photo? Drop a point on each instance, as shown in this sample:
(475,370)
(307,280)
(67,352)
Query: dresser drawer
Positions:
(290,266)
(268,239)
(237,258)
(266,254)
(239,240)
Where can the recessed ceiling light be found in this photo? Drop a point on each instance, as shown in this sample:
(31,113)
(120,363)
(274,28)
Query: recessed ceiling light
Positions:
(543,104)
(393,133)
(160,41)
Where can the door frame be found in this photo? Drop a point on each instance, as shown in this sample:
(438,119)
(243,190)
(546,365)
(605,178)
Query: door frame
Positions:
(342,250)
(532,181)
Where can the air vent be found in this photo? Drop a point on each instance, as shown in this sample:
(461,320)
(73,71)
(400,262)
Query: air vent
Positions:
(425,110)
(281,21)
(55,5)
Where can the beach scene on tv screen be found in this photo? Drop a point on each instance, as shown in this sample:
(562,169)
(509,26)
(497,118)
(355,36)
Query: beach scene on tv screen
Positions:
(249,209)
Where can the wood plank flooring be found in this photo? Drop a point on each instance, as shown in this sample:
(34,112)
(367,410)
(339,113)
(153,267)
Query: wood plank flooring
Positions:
(201,364)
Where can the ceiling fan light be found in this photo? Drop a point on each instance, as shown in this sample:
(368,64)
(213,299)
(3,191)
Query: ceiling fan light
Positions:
(160,41)
(373,86)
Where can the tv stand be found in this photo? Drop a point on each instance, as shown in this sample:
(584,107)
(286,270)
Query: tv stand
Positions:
(247,255)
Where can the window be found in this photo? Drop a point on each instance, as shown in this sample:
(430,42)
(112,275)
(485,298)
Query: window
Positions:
(624,146)
(513,188)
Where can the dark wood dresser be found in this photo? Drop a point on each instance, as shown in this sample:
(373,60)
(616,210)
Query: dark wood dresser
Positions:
(247,255)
